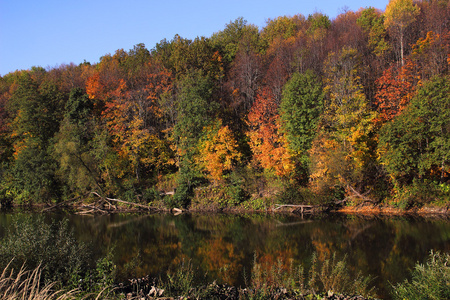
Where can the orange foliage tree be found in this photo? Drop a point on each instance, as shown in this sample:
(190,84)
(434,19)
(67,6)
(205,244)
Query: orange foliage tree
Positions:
(218,150)
(267,142)
(395,89)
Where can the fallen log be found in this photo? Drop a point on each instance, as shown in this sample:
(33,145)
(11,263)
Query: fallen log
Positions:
(124,202)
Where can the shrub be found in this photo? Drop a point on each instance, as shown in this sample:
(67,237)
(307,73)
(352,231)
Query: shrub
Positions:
(33,242)
(334,275)
(429,281)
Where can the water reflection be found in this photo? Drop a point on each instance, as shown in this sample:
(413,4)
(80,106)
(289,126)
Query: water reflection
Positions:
(225,246)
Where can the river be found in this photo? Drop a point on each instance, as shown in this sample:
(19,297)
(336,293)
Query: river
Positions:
(224,246)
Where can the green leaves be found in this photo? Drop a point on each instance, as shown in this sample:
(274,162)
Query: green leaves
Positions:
(417,142)
(300,109)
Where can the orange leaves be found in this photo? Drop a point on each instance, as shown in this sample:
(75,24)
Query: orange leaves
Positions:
(132,111)
(431,53)
(219,151)
(267,142)
(395,90)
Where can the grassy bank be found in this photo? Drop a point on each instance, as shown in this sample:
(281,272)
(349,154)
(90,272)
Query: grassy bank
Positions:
(328,279)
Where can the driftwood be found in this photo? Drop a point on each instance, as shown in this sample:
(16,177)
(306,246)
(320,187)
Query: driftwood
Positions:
(104,205)
(177,211)
(293,205)
(301,208)
(109,200)
(60,204)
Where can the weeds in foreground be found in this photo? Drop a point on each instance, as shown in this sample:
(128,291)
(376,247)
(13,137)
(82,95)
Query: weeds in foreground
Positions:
(429,281)
(26,285)
(279,280)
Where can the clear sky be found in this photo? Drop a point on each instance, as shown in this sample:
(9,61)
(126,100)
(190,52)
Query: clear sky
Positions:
(49,33)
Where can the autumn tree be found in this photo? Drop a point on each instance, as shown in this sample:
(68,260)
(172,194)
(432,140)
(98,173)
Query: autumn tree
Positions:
(430,54)
(246,78)
(281,27)
(267,141)
(395,89)
(347,128)
(399,15)
(218,150)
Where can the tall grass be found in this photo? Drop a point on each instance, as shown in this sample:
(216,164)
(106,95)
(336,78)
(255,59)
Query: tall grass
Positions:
(280,281)
(26,285)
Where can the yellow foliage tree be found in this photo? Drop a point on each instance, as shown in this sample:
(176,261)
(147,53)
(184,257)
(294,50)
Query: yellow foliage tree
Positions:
(218,150)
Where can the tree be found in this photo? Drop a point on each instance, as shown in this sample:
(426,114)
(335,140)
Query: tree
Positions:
(267,142)
(343,153)
(195,110)
(395,89)
(218,150)
(300,109)
(35,109)
(430,54)
(372,22)
(78,166)
(399,15)
(416,143)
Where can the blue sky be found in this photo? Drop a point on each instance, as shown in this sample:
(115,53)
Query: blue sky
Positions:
(49,33)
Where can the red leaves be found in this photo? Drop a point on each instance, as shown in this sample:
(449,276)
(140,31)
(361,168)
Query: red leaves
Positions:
(395,89)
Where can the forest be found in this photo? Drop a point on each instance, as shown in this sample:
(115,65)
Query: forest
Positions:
(307,109)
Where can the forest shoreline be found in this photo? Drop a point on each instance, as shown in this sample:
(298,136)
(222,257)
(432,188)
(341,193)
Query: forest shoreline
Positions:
(371,210)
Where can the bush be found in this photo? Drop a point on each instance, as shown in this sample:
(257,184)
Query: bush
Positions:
(429,281)
(420,193)
(33,242)
(334,275)
(236,190)
(53,251)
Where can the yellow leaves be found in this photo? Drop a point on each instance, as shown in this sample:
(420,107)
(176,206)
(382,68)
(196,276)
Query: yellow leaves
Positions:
(400,13)
(219,150)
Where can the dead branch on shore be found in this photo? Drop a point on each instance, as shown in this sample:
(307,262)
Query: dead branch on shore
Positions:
(103,206)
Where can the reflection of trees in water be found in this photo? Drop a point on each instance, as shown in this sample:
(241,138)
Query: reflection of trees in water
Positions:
(224,245)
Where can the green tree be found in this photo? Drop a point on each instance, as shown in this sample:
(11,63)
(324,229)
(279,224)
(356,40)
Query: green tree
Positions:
(195,111)
(73,149)
(300,109)
(235,35)
(372,22)
(416,144)
(35,107)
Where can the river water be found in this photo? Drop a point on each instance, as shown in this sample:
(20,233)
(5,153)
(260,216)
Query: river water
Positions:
(225,246)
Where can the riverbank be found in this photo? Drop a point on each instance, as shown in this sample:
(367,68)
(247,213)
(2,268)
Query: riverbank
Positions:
(137,208)
(425,211)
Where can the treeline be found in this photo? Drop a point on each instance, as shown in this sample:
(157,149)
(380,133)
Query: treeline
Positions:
(356,108)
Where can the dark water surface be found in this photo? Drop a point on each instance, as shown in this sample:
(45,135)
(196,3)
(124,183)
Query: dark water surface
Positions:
(224,246)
